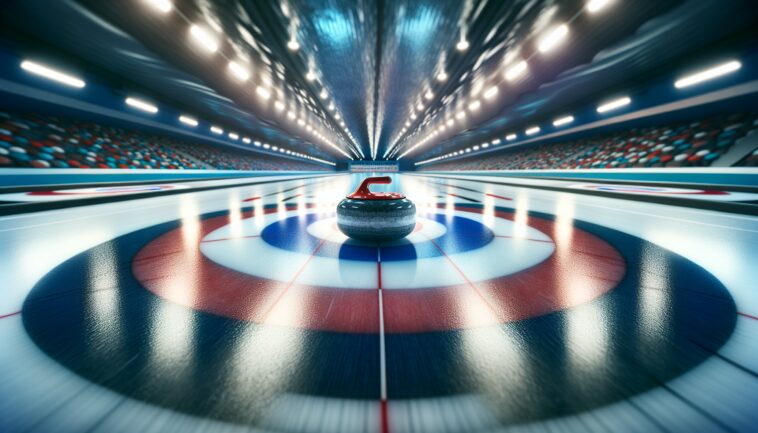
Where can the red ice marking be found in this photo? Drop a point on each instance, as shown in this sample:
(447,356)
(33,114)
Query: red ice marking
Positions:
(230,239)
(498,196)
(749,316)
(10,314)
(251,199)
(524,239)
(581,269)
(384,418)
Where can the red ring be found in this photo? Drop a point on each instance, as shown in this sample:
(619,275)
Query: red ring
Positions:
(582,268)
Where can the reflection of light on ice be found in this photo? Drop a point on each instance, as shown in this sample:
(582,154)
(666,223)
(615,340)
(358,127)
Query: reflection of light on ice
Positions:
(521,217)
(587,337)
(488,212)
(171,334)
(102,300)
(235,215)
(497,352)
(188,213)
(654,301)
(262,358)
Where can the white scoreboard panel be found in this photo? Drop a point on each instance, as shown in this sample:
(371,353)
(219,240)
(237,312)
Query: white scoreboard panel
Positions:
(371,166)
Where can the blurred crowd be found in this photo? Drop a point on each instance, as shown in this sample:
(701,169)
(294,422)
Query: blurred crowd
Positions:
(691,144)
(30,140)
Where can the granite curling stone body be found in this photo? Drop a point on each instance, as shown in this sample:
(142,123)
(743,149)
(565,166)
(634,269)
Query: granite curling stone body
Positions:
(376,216)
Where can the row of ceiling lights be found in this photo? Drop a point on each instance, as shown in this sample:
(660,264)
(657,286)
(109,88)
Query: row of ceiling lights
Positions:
(51,73)
(608,106)
(240,70)
(515,69)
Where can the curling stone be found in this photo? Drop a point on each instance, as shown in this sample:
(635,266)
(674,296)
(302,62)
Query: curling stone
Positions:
(376,216)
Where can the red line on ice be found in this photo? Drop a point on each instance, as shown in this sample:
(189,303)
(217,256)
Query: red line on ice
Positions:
(10,314)
(749,316)
(498,196)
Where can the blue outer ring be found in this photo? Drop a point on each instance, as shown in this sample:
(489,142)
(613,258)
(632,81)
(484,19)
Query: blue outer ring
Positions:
(700,314)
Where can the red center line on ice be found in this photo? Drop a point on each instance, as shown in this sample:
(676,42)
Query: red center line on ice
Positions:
(383,412)
(498,196)
(465,278)
(294,278)
(10,314)
(251,199)
(524,239)
(749,316)
(229,239)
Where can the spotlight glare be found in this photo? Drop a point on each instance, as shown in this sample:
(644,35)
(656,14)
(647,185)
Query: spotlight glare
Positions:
(188,121)
(533,130)
(612,105)
(511,137)
(48,72)
(462,45)
(474,105)
(553,39)
(594,6)
(491,92)
(442,76)
(563,121)
(293,45)
(216,130)
(263,92)
(164,6)
(239,71)
(141,105)
(204,38)
(516,71)
(708,74)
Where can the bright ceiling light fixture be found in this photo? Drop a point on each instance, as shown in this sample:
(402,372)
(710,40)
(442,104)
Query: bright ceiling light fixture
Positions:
(234,136)
(323,94)
(52,74)
(240,72)
(460,115)
(450,122)
(708,74)
(419,106)
(517,70)
(442,76)
(563,121)
(533,130)
(279,105)
(204,38)
(263,92)
(495,142)
(310,75)
(491,92)
(141,105)
(246,140)
(612,105)
(462,44)
(331,106)
(511,137)
(594,6)
(293,45)
(188,121)
(553,38)
(474,105)
(428,95)
(217,130)
(164,6)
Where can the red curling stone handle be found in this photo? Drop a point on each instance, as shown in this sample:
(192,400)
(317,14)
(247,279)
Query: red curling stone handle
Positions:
(363,193)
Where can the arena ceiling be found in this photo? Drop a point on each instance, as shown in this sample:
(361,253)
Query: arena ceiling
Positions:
(377,79)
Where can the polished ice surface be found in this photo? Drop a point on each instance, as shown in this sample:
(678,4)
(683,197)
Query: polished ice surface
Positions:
(645,352)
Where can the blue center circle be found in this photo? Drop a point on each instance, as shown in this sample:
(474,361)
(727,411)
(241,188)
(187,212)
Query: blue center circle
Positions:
(463,234)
